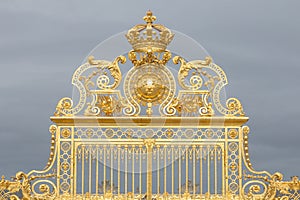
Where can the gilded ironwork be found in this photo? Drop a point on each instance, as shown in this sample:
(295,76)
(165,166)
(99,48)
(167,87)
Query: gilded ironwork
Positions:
(150,82)
(149,133)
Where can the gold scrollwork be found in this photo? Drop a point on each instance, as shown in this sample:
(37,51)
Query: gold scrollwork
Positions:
(52,130)
(254,189)
(283,190)
(104,104)
(22,182)
(233,105)
(273,187)
(103,79)
(44,191)
(214,83)
(193,103)
(65,105)
(195,80)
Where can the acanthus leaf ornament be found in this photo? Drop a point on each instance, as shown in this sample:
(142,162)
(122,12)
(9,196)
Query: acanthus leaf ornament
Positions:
(82,83)
(196,81)
(214,83)
(22,184)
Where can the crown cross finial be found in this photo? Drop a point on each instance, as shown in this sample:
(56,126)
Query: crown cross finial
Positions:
(149,18)
(147,36)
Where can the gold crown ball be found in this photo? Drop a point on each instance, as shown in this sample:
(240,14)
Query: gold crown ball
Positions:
(143,36)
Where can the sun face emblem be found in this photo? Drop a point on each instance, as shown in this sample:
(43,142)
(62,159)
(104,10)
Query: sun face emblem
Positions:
(149,85)
(149,88)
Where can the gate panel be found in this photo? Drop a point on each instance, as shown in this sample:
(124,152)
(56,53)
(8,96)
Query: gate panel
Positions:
(113,169)
(191,169)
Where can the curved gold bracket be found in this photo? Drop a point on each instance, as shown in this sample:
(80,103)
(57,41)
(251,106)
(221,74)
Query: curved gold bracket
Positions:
(214,83)
(196,80)
(65,105)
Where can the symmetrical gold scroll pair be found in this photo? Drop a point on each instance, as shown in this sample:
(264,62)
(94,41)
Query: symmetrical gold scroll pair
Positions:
(214,83)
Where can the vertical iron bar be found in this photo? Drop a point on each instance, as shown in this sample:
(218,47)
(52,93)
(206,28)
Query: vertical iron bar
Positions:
(179,170)
(97,169)
(82,170)
(194,173)
(75,171)
(133,149)
(208,170)
(173,160)
(165,169)
(158,178)
(186,169)
(222,171)
(216,170)
(119,169)
(90,169)
(140,182)
(126,175)
(149,145)
(111,169)
(104,169)
(201,170)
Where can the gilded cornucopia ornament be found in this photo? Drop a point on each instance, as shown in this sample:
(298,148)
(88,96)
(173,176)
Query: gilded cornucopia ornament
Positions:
(158,130)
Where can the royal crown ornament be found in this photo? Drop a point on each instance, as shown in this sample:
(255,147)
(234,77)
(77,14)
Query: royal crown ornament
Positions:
(149,35)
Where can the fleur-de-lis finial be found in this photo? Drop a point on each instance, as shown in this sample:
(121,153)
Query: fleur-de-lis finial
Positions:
(149,18)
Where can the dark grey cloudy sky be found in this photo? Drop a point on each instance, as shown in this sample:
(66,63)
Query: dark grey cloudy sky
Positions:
(256,42)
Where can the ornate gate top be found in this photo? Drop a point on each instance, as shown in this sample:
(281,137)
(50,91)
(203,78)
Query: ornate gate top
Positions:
(150,87)
(152,128)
